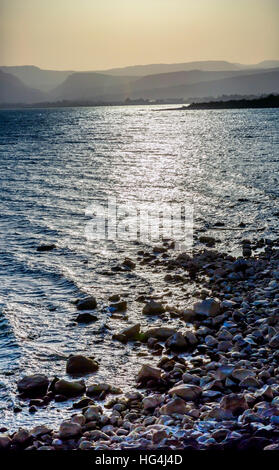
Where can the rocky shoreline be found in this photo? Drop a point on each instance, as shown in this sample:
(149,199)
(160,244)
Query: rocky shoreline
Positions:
(215,381)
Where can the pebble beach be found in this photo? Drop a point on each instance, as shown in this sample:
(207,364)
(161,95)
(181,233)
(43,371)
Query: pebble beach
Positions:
(208,382)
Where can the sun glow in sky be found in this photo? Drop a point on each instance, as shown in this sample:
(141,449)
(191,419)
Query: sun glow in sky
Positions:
(99,34)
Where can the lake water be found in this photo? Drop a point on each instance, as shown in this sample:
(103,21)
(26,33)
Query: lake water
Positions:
(54,163)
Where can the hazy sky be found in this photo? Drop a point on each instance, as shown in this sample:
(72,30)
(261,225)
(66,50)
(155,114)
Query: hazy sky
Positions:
(98,34)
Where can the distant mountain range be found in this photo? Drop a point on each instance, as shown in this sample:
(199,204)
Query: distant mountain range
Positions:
(30,84)
(206,65)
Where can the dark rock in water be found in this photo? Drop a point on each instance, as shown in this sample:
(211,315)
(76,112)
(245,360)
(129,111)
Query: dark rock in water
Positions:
(86,318)
(114,298)
(159,249)
(128,263)
(84,402)
(33,409)
(89,303)
(208,241)
(33,385)
(98,389)
(119,306)
(128,333)
(46,247)
(81,365)
(153,308)
(119,337)
(131,331)
(68,388)
(219,224)
(17,409)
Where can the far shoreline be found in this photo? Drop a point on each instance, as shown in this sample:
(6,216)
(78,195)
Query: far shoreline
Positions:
(263,102)
(271,101)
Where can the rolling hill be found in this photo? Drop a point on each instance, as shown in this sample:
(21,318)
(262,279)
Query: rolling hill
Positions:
(12,90)
(34,77)
(90,85)
(99,87)
(204,65)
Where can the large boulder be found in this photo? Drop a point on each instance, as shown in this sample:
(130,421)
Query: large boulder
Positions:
(33,385)
(69,430)
(234,403)
(93,413)
(148,373)
(152,401)
(89,303)
(208,307)
(188,392)
(177,342)
(176,405)
(69,389)
(153,308)
(81,365)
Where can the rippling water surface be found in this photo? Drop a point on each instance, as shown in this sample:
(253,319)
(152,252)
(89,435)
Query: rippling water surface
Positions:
(54,163)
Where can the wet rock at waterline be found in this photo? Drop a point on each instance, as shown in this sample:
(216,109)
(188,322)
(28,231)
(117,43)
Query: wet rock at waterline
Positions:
(68,430)
(33,385)
(130,333)
(153,308)
(69,388)
(208,307)
(89,303)
(86,318)
(46,247)
(81,365)
(211,384)
(148,372)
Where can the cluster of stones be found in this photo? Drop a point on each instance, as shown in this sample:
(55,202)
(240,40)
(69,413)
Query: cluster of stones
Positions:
(216,382)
